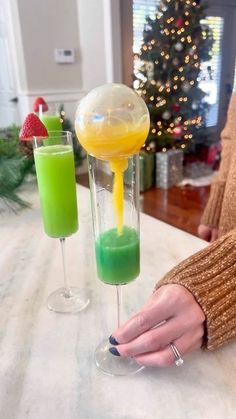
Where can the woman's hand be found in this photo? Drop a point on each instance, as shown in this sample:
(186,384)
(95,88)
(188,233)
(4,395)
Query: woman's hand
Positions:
(170,315)
(210,234)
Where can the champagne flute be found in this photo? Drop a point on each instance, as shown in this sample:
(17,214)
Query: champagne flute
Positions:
(117,252)
(112,123)
(55,170)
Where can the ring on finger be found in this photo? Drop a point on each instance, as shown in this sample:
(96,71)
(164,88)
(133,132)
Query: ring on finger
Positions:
(178,357)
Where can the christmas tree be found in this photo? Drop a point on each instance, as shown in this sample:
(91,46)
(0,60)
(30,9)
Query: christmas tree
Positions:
(174,45)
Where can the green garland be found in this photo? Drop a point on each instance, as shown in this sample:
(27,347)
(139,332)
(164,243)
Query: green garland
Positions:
(14,166)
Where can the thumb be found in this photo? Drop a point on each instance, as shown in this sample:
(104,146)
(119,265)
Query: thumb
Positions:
(214,234)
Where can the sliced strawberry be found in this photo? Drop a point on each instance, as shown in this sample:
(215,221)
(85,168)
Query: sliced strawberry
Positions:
(40,101)
(32,127)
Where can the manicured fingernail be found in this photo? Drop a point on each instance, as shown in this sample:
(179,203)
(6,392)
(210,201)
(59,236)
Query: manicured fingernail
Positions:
(113,341)
(114,351)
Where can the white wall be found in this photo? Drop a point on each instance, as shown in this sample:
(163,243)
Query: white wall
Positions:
(91,27)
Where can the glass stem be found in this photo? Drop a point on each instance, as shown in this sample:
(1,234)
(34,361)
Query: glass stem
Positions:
(119,297)
(66,286)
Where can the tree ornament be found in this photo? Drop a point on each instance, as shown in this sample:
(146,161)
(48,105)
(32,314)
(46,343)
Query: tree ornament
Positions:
(191,51)
(152,145)
(179,46)
(175,62)
(164,65)
(166,115)
(176,107)
(179,23)
(186,87)
(194,106)
(150,69)
(147,27)
(177,131)
(163,7)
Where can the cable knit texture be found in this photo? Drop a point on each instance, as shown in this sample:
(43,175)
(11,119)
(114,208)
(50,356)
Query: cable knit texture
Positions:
(210,275)
(220,210)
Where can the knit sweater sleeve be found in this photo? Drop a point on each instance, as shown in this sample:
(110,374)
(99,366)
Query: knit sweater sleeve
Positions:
(210,275)
(211,215)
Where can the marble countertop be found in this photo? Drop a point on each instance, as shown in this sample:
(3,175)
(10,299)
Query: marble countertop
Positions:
(47,369)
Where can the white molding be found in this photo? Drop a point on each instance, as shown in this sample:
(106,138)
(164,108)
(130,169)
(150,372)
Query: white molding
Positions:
(112,40)
(67,95)
(70,98)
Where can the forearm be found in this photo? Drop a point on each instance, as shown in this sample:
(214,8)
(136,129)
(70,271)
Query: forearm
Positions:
(210,275)
(212,211)
(211,215)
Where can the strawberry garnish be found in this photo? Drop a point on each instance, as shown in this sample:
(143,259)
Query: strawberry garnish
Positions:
(32,127)
(40,101)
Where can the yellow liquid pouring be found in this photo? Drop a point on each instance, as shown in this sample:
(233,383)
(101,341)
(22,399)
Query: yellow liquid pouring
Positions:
(115,144)
(118,167)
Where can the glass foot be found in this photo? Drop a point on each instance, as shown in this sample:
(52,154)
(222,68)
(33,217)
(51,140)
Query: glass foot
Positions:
(114,365)
(68,301)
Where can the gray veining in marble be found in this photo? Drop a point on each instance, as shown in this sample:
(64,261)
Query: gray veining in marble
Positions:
(47,369)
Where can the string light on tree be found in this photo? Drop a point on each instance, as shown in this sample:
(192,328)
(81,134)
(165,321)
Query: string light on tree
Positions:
(174,44)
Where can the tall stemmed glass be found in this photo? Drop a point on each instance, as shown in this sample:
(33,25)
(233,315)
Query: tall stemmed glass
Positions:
(112,123)
(117,253)
(55,170)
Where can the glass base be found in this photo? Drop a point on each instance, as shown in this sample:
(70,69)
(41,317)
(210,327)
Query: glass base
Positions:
(114,365)
(72,300)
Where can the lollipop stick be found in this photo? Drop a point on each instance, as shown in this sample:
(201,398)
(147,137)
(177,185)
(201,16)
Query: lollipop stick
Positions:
(40,111)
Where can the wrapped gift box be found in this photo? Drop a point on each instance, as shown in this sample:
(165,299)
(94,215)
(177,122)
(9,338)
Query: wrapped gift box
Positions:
(169,168)
(147,166)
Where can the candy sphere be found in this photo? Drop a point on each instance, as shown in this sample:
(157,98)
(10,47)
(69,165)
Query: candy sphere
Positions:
(112,122)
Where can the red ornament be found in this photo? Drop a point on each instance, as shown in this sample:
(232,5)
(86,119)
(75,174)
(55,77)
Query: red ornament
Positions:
(179,23)
(176,107)
(177,131)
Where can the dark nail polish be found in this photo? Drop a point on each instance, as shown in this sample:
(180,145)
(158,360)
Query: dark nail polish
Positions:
(114,351)
(113,341)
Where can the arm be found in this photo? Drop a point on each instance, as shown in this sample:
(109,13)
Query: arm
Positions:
(212,211)
(194,306)
(210,276)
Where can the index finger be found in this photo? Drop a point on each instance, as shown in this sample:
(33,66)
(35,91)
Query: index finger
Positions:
(153,313)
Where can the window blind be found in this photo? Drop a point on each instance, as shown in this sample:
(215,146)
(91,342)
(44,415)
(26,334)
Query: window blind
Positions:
(234,88)
(209,78)
(141,9)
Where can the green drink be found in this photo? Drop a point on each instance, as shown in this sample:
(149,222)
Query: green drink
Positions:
(117,256)
(56,183)
(51,122)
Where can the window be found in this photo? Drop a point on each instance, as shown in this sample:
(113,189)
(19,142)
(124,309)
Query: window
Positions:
(234,88)
(209,78)
(141,9)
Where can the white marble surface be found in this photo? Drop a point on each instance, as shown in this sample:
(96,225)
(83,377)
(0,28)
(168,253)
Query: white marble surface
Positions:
(47,369)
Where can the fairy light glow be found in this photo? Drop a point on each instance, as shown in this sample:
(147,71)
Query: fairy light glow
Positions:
(171,63)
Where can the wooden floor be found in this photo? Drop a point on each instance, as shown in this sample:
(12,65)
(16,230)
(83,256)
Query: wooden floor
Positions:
(179,206)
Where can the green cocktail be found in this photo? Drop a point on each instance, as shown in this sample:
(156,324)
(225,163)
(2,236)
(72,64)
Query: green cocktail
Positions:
(56,183)
(117,256)
(55,169)
(51,122)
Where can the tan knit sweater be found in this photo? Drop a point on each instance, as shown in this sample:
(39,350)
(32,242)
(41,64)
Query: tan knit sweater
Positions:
(210,275)
(220,210)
